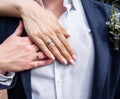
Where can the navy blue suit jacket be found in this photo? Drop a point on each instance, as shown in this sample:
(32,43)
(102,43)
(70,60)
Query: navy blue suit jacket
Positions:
(106,84)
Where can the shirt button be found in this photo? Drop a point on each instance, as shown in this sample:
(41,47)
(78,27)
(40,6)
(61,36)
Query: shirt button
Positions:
(58,82)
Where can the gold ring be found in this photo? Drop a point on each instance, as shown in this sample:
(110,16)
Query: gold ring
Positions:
(37,56)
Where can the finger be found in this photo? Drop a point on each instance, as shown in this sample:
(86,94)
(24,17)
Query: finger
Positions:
(65,33)
(67,45)
(26,40)
(58,49)
(44,48)
(57,53)
(41,55)
(34,48)
(63,50)
(19,29)
(40,63)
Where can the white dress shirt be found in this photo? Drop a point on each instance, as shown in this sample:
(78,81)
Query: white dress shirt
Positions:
(7,80)
(58,81)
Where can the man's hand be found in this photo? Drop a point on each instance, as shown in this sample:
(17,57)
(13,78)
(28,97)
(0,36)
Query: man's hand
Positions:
(19,53)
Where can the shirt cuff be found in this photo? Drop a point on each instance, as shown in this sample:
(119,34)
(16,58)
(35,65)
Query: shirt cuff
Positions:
(7,79)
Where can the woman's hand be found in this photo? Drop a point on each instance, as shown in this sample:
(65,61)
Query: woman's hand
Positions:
(42,27)
(44,30)
(19,53)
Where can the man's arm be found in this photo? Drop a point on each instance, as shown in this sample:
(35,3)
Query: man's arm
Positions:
(19,54)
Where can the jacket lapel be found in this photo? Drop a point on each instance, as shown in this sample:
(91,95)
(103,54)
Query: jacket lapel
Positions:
(96,19)
(26,80)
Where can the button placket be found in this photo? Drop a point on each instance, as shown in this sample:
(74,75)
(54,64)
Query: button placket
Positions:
(58,81)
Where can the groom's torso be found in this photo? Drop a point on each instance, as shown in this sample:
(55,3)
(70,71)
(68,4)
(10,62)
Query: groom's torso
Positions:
(103,84)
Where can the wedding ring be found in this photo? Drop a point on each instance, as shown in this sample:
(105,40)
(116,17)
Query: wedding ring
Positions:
(48,42)
(37,56)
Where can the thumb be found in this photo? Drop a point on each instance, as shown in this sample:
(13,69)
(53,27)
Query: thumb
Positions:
(19,29)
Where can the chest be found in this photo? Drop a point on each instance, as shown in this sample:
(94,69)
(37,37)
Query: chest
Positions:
(62,79)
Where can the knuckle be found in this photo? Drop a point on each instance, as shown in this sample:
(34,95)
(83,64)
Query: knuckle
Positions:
(27,66)
(59,33)
(61,48)
(57,29)
(65,54)
(46,62)
(52,47)
(41,45)
(26,40)
(41,55)
(62,29)
(33,35)
(44,31)
(28,48)
(36,64)
(27,57)
(57,54)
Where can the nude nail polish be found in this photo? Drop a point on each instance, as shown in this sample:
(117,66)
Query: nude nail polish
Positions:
(53,58)
(64,60)
(74,57)
(72,61)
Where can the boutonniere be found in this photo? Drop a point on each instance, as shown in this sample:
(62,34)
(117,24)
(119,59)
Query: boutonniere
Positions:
(114,28)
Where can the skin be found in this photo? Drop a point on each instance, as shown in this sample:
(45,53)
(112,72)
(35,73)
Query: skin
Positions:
(41,25)
(57,8)
(19,53)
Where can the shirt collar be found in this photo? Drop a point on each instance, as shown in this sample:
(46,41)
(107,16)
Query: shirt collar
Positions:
(65,3)
(40,2)
(73,3)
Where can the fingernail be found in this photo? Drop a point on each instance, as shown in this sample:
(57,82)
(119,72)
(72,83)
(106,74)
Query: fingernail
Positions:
(74,57)
(72,61)
(53,58)
(68,34)
(64,60)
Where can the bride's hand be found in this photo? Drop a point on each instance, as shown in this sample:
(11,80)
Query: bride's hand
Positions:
(44,30)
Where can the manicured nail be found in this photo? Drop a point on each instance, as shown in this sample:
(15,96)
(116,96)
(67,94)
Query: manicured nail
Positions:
(74,57)
(72,61)
(64,60)
(53,58)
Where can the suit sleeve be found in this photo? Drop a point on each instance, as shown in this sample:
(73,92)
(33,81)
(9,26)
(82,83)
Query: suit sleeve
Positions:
(7,79)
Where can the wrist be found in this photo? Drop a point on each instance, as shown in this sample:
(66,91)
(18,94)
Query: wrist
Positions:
(2,72)
(9,8)
(26,8)
(23,6)
(19,7)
